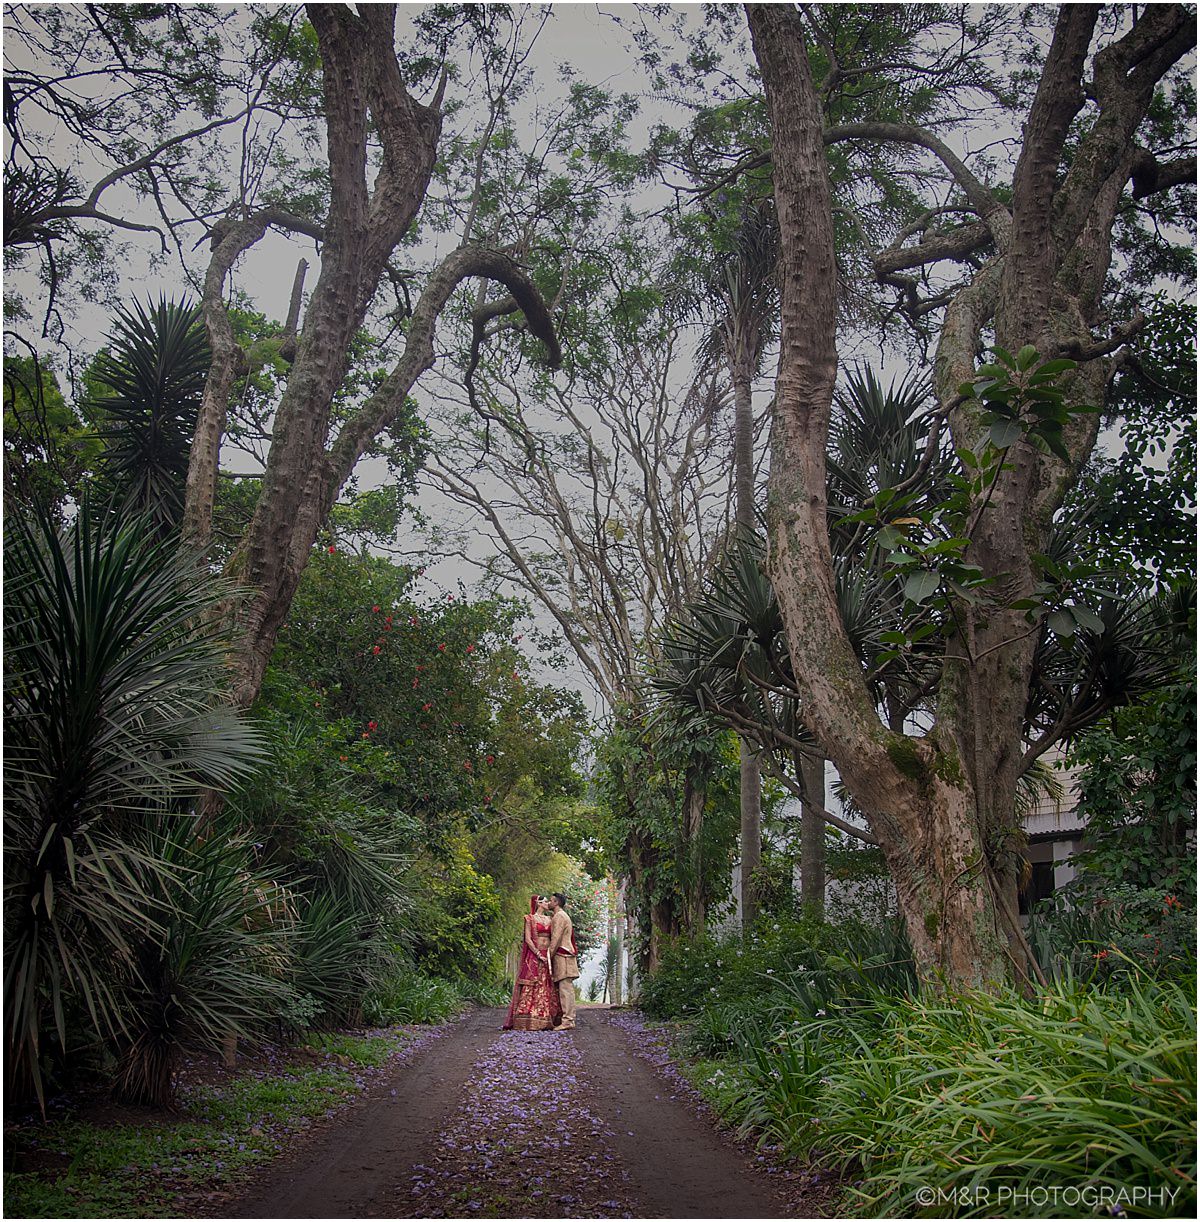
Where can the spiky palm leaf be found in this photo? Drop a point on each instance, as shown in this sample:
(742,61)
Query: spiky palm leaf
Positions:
(876,440)
(151,380)
(336,959)
(112,713)
(215,964)
(1080,679)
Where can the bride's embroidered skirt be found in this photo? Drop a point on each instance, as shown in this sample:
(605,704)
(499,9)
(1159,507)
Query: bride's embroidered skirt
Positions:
(537,1006)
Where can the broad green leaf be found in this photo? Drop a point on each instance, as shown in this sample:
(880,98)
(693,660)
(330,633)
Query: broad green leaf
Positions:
(1005,433)
(918,587)
(1062,623)
(1085,617)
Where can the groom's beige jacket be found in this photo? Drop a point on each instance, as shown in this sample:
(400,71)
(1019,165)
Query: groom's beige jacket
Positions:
(564,966)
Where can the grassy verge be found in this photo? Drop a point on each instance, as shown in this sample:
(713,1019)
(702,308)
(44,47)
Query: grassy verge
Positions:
(122,1165)
(1074,1103)
(818,1043)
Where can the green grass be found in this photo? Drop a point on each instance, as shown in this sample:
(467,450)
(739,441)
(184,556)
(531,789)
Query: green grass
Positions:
(143,1170)
(372,1050)
(722,1083)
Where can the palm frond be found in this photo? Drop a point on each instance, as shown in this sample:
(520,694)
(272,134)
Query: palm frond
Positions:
(113,714)
(151,380)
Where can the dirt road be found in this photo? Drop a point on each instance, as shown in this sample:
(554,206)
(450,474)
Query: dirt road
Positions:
(484,1123)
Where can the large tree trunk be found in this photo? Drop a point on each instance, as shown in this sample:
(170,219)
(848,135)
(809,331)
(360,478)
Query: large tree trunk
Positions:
(913,791)
(942,805)
(616,901)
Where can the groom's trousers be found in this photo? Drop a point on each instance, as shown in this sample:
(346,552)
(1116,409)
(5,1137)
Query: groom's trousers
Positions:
(566,998)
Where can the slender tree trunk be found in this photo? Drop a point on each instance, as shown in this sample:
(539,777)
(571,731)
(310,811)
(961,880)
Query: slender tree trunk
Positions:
(741,368)
(811,768)
(751,831)
(750,793)
(696,900)
(228,239)
(617,901)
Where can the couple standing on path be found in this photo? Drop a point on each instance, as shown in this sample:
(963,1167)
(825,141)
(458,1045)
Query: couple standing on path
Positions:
(544,990)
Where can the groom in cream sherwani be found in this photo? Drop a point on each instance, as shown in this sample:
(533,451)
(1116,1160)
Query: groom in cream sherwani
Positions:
(564,960)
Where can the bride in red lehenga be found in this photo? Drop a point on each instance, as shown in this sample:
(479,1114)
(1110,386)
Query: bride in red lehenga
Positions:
(534,1005)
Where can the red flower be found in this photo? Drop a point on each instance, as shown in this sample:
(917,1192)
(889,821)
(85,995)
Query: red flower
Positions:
(375,607)
(343,758)
(467,765)
(332,549)
(491,759)
(372,725)
(375,650)
(387,619)
(470,649)
(426,707)
(487,801)
(449,597)
(412,619)
(442,648)
(365,734)
(416,684)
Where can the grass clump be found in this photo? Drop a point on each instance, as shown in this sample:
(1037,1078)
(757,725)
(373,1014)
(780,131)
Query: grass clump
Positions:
(412,997)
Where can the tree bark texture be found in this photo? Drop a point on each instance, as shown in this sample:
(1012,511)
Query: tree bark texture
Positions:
(811,767)
(751,831)
(943,805)
(695,794)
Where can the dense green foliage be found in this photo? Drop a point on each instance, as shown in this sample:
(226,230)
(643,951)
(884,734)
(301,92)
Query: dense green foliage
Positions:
(816,1037)
(113,724)
(982,1095)
(642,770)
(146,390)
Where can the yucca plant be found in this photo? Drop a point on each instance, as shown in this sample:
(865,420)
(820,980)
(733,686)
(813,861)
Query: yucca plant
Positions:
(216,962)
(150,382)
(338,956)
(113,715)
